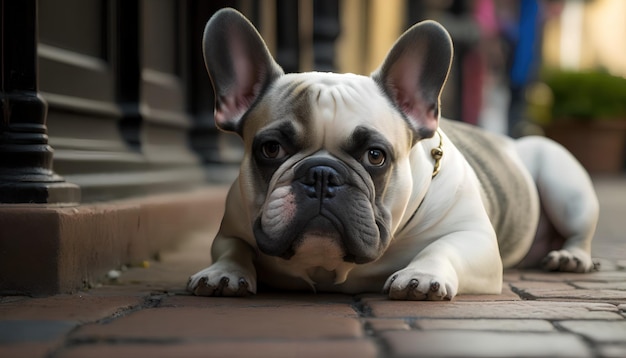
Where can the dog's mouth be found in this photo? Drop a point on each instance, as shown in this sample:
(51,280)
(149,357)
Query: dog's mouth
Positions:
(300,235)
(353,236)
(324,227)
(318,255)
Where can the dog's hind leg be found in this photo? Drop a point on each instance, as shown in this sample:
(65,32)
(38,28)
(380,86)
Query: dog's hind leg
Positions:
(568,200)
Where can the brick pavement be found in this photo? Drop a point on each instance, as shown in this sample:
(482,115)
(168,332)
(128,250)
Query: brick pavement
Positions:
(147,312)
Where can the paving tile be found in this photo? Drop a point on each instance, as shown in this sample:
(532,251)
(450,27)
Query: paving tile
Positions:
(552,290)
(513,325)
(19,331)
(542,285)
(511,310)
(601,285)
(600,276)
(506,295)
(249,349)
(227,322)
(126,289)
(264,300)
(156,277)
(28,349)
(512,275)
(80,307)
(580,294)
(483,344)
(172,270)
(32,338)
(612,351)
(386,324)
(598,331)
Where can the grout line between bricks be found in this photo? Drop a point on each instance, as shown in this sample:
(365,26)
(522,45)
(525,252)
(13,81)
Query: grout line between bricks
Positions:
(364,311)
(361,309)
(152,300)
(594,347)
(521,293)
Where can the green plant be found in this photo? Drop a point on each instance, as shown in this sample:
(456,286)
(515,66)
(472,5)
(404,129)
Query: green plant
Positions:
(588,95)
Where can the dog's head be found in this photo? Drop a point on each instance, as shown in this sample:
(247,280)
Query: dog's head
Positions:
(326,173)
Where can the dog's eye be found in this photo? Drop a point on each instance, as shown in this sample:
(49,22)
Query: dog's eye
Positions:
(273,150)
(374,157)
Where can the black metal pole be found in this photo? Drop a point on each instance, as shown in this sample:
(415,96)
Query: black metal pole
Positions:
(26,174)
(326,29)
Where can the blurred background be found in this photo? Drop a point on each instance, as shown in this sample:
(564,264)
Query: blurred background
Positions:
(103,100)
(521,67)
(504,50)
(130,105)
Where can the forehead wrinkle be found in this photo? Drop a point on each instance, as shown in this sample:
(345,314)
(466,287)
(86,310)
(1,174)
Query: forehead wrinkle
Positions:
(290,102)
(328,106)
(287,90)
(326,102)
(338,106)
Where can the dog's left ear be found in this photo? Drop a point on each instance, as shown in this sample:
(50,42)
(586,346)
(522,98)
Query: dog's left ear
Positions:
(414,72)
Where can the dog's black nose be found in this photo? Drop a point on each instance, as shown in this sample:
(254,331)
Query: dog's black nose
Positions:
(321,182)
(320,177)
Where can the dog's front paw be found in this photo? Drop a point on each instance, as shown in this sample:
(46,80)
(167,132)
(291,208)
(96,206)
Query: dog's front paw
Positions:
(222,280)
(411,284)
(573,260)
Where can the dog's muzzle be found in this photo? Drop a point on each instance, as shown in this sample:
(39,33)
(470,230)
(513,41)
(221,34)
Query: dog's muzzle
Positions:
(329,205)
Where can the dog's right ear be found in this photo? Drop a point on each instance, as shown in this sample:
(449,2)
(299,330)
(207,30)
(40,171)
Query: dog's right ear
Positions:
(239,64)
(413,75)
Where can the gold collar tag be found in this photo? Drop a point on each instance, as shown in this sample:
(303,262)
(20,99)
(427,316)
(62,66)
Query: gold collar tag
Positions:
(437,154)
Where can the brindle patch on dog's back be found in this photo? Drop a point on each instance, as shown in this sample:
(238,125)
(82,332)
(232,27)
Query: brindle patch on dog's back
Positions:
(508,193)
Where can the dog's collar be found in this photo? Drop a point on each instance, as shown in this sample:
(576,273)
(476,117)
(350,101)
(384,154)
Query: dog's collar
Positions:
(437,154)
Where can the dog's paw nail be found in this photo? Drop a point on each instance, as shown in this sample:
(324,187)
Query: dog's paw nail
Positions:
(243,288)
(434,286)
(223,284)
(596,266)
(243,282)
(413,284)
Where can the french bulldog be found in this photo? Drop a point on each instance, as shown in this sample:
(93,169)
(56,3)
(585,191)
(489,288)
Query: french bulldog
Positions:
(355,184)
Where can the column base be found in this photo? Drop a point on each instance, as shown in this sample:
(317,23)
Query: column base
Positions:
(53,191)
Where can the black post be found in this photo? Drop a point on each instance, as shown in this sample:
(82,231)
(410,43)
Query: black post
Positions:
(26,174)
(326,29)
(128,29)
(287,39)
(216,149)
